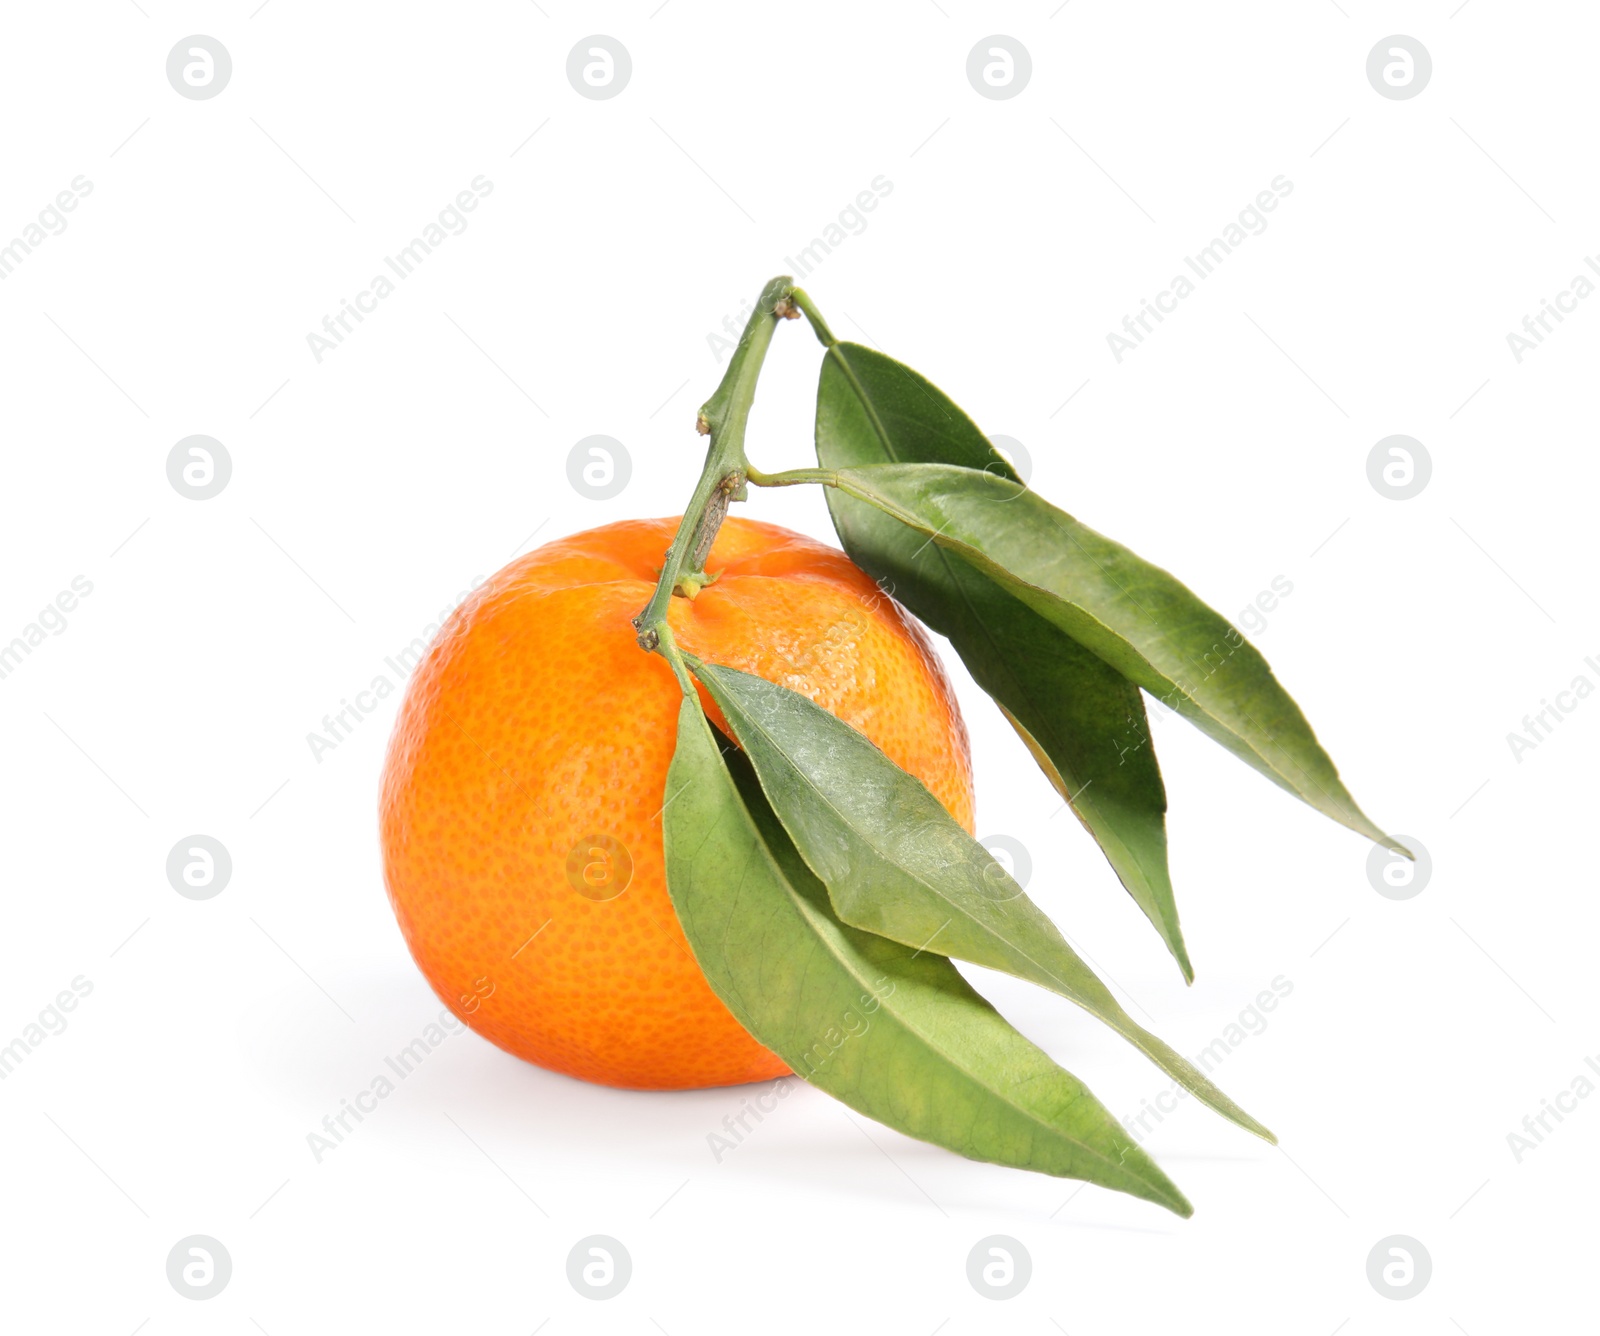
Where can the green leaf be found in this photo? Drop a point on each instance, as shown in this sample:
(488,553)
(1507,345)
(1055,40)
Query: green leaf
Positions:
(895,863)
(1088,731)
(1135,616)
(895,1034)
(1082,720)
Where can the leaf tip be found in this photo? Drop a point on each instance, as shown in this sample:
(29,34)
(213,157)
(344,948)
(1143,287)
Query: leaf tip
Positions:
(1255,1128)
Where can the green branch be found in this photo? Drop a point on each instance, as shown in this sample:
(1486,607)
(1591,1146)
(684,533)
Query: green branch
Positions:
(723,417)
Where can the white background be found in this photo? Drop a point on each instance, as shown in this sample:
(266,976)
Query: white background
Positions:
(370,490)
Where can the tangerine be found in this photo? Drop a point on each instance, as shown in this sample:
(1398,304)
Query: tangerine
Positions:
(524,784)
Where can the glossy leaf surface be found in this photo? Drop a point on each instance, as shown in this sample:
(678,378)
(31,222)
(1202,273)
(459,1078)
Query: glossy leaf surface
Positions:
(895,863)
(1083,721)
(1132,614)
(895,1034)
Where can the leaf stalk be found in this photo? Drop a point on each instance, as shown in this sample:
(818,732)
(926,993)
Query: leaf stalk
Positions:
(802,299)
(791,477)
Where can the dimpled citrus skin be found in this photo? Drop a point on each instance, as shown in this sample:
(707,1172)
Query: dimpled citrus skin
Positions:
(536,723)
